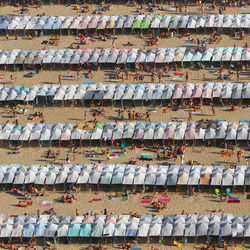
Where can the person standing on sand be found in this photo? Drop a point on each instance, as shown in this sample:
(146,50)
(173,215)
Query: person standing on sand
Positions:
(213,110)
(187,77)
(12,79)
(67,159)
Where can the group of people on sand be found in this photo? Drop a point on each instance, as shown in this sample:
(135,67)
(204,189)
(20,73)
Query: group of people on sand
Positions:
(70,196)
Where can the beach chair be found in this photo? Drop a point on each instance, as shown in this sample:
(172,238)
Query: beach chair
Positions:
(228,191)
(217,193)
(229,194)
(176,243)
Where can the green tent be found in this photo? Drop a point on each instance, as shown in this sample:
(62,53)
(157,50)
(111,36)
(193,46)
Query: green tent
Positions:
(137,24)
(100,125)
(145,24)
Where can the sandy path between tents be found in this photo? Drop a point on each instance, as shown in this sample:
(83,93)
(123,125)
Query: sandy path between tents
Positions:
(35,155)
(76,115)
(62,10)
(65,42)
(203,203)
(106,76)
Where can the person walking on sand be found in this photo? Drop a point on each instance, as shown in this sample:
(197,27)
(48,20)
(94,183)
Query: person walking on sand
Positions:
(67,159)
(60,79)
(239,155)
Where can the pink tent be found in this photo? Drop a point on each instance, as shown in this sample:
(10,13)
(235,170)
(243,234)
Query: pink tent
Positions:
(233,125)
(93,23)
(177,93)
(138,135)
(190,134)
(89,220)
(169,133)
(84,24)
(205,179)
(180,86)
(197,92)
(110,219)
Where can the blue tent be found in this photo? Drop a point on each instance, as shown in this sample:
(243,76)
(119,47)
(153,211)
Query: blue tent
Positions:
(85,230)
(74,230)
(28,230)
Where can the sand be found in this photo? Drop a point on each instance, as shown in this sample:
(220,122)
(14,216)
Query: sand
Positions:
(139,43)
(35,155)
(106,76)
(77,114)
(203,203)
(61,10)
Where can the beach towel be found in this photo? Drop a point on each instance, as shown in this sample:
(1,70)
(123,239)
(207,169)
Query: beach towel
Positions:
(14,41)
(45,203)
(12,153)
(233,201)
(68,77)
(146,201)
(115,152)
(90,41)
(113,199)
(135,248)
(90,83)
(97,199)
(165,195)
(179,74)
(177,77)
(164,200)
(173,9)
(233,198)
(113,157)
(146,155)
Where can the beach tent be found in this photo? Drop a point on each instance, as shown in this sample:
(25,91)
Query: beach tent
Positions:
(166,229)
(201,229)
(6,230)
(143,230)
(51,230)
(39,230)
(85,230)
(74,230)
(97,230)
(28,230)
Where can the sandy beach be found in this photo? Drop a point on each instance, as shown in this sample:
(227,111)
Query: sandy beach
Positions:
(203,203)
(65,41)
(116,9)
